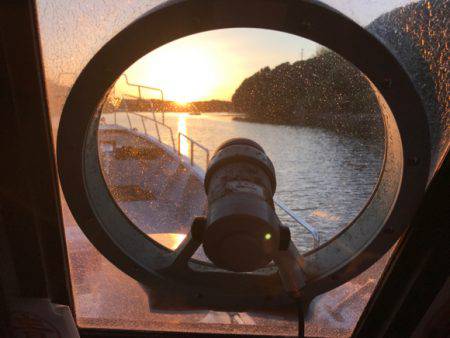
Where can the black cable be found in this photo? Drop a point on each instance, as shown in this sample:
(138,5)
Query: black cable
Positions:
(301,320)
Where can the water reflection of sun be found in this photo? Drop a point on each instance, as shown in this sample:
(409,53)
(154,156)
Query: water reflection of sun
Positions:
(182,129)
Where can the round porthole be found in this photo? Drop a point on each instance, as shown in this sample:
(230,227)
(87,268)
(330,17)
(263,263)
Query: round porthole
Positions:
(87,147)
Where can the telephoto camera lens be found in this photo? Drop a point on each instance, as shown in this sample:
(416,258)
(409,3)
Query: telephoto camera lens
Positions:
(242,231)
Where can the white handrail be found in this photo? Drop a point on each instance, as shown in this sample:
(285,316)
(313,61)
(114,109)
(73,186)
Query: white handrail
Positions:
(140,86)
(192,141)
(315,234)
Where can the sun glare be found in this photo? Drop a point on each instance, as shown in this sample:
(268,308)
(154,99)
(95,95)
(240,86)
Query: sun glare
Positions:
(211,65)
(187,72)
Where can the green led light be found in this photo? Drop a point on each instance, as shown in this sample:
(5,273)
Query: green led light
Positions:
(268,236)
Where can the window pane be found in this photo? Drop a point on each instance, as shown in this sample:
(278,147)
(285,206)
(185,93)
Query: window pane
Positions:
(72,32)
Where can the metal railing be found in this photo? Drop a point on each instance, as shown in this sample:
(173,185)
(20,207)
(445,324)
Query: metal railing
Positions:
(314,233)
(192,143)
(156,123)
(139,87)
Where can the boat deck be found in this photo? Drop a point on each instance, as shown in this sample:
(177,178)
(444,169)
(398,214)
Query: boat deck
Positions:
(151,184)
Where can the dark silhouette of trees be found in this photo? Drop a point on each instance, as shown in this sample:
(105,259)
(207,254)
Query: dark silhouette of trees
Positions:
(324,91)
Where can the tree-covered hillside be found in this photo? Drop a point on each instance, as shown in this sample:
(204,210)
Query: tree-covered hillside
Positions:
(324,91)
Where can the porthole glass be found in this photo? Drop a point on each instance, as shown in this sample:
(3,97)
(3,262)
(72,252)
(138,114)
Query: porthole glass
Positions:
(316,115)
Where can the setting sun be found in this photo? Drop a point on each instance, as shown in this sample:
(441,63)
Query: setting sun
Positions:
(189,74)
(185,71)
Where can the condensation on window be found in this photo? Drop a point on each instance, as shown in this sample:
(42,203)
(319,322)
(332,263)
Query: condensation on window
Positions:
(417,34)
(73,31)
(170,110)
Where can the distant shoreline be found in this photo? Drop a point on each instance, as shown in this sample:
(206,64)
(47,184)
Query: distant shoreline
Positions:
(172,106)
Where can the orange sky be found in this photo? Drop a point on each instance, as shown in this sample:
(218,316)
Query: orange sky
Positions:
(211,65)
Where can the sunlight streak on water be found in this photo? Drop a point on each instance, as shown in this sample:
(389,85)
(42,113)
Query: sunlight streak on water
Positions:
(184,143)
